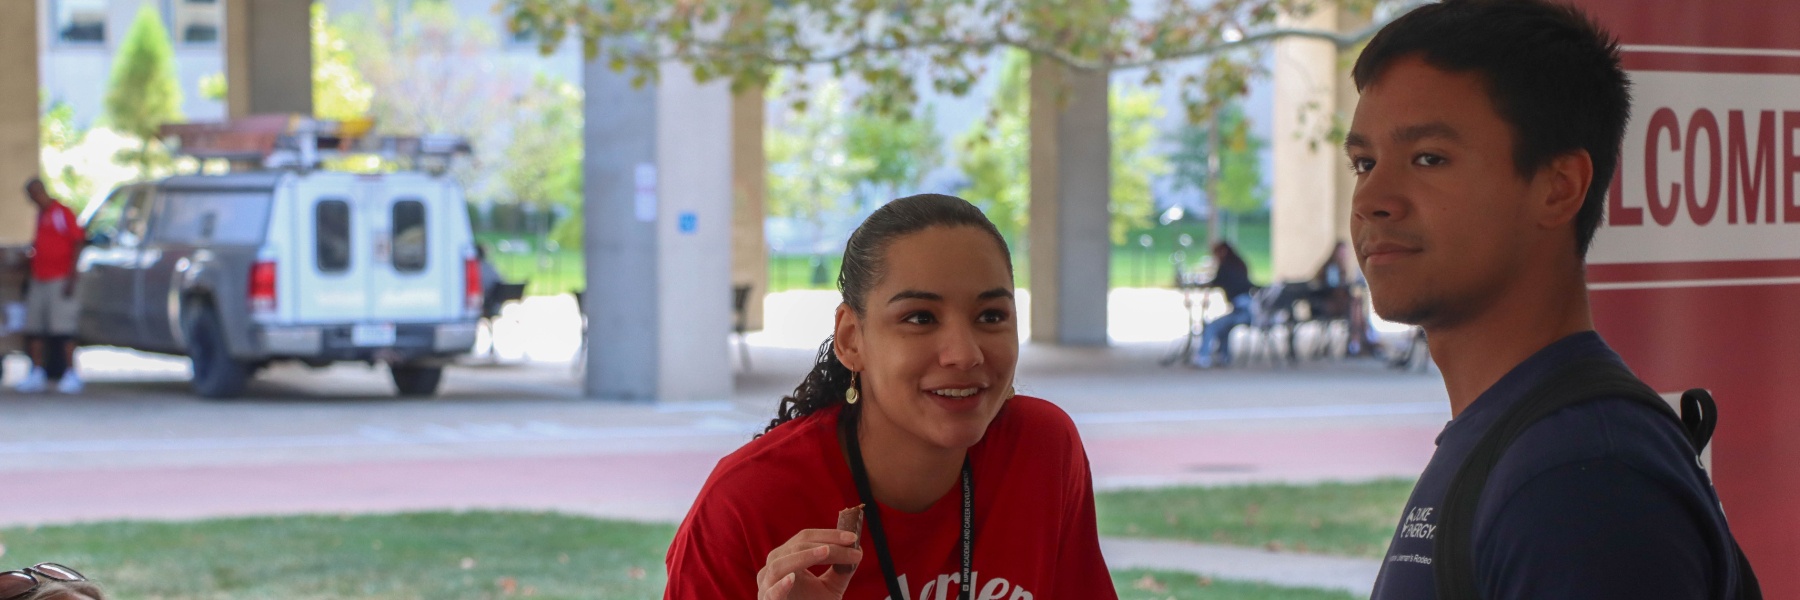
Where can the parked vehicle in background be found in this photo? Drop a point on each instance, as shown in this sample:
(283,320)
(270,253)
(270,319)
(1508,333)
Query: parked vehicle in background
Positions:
(240,270)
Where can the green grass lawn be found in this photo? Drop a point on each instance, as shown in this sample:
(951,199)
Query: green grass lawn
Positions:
(547,273)
(422,555)
(425,556)
(1332,518)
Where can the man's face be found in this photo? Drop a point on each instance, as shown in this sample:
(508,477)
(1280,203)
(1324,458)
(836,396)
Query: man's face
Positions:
(1439,217)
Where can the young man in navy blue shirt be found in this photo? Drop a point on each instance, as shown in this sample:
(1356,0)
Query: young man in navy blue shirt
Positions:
(1483,144)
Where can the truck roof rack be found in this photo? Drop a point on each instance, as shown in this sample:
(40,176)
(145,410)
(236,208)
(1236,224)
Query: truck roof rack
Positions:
(280,141)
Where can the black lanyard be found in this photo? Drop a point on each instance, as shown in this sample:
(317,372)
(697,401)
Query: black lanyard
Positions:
(847,436)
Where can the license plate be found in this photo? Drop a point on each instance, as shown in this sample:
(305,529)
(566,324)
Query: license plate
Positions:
(372,335)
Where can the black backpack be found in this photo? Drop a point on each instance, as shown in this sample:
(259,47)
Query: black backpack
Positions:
(1573,384)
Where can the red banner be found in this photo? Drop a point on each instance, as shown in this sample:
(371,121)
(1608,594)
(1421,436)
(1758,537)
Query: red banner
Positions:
(1695,276)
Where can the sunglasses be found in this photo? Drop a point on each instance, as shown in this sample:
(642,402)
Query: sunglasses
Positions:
(21,583)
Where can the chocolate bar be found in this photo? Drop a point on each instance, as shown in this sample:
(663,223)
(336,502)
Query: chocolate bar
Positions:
(851,520)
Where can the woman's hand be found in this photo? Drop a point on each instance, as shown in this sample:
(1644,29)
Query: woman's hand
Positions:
(788,574)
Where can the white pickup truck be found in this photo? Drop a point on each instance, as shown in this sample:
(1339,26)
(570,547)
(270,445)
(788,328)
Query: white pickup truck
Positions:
(240,270)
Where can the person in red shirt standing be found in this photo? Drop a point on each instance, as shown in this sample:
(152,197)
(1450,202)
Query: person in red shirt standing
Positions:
(910,413)
(51,309)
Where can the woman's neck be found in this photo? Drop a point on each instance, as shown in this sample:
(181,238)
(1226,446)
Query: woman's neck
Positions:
(906,473)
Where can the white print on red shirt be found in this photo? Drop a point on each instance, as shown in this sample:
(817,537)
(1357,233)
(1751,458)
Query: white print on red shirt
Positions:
(945,587)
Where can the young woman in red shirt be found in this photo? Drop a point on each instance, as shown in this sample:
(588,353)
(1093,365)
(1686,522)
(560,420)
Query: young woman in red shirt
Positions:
(910,412)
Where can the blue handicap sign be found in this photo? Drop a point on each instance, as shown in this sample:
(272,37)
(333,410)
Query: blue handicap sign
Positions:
(688,222)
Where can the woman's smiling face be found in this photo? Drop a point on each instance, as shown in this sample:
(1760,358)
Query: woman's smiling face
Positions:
(938,340)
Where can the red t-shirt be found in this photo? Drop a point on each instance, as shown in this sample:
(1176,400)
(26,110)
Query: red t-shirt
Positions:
(1035,536)
(59,239)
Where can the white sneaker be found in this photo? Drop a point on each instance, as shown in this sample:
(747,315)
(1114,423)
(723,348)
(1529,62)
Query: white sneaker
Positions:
(70,384)
(34,382)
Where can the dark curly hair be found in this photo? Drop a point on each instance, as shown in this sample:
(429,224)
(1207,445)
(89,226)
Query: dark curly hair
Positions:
(862,269)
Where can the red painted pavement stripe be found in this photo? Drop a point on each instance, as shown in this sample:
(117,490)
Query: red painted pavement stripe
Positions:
(654,486)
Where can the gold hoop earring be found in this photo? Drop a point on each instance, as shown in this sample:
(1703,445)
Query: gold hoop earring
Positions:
(1010,392)
(851,395)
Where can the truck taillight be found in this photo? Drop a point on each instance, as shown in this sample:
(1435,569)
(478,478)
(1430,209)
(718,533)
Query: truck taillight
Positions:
(472,285)
(262,287)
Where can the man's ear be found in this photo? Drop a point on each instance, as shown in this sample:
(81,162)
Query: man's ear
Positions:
(1566,181)
(846,339)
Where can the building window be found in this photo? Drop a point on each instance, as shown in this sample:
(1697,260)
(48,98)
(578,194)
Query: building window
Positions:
(79,21)
(195,21)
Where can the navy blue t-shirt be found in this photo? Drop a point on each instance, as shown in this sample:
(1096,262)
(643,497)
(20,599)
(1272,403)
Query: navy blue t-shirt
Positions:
(1600,500)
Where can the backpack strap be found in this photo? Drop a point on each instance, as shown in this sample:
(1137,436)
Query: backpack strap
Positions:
(1574,383)
(1699,417)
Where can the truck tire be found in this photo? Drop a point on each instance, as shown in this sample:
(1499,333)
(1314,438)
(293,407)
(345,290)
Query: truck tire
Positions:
(216,374)
(416,380)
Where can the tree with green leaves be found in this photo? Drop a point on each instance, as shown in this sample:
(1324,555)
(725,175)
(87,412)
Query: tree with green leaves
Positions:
(812,173)
(996,152)
(543,163)
(339,89)
(890,45)
(430,70)
(898,151)
(57,134)
(1133,113)
(543,159)
(143,92)
(1238,187)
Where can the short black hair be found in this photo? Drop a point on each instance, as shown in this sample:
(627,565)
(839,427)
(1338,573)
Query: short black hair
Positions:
(1553,75)
(34,183)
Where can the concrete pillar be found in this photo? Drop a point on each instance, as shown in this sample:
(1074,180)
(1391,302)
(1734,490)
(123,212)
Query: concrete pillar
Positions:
(268,57)
(1068,236)
(1344,107)
(658,193)
(1309,184)
(750,191)
(18,118)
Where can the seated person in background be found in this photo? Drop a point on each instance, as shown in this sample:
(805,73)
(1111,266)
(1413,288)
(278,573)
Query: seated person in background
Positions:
(47,581)
(1232,278)
(490,276)
(1331,295)
(1329,289)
